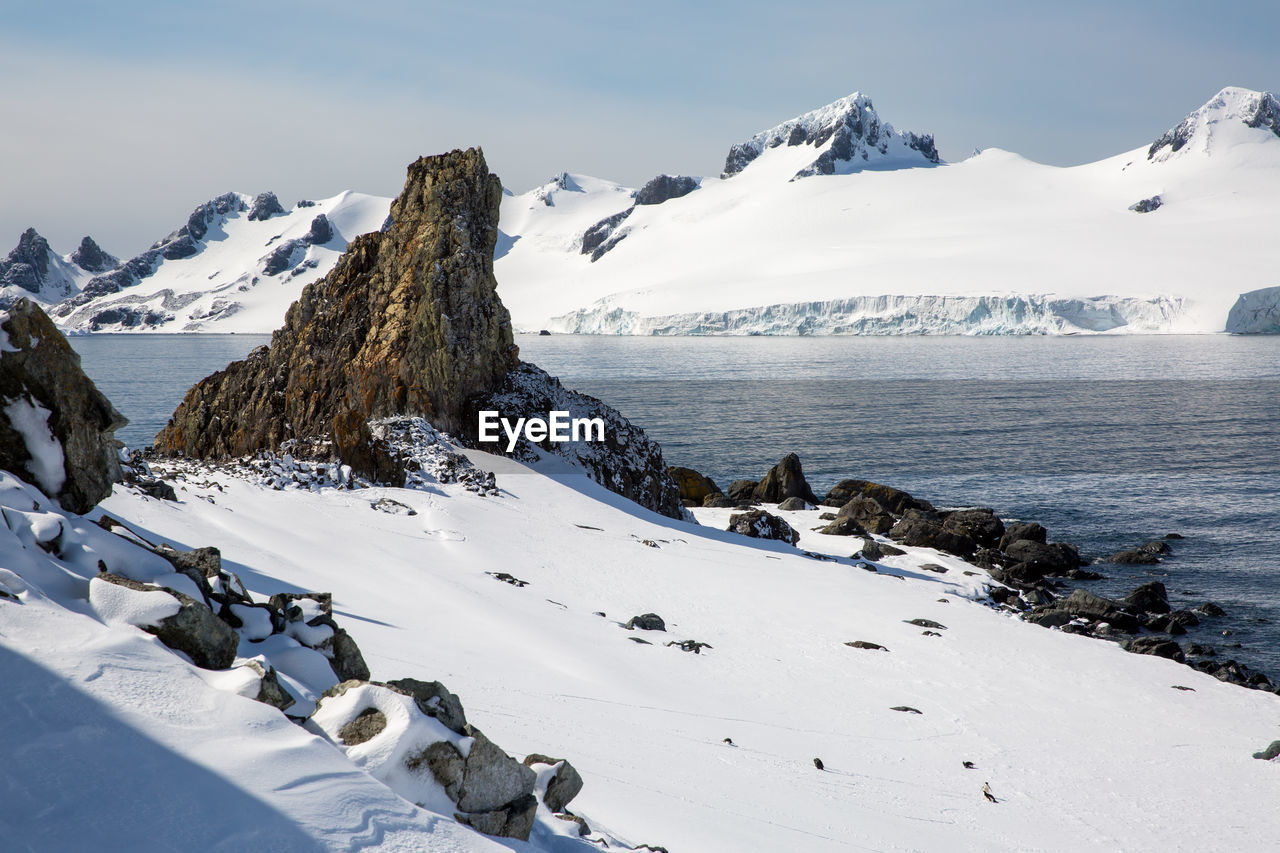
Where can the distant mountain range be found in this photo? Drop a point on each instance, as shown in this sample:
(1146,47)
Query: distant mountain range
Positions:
(831,223)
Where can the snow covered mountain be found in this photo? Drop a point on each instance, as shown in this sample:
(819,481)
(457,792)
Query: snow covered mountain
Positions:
(236,265)
(826,224)
(34,271)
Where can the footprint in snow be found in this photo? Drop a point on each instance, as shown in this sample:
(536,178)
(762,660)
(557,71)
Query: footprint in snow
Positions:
(444,535)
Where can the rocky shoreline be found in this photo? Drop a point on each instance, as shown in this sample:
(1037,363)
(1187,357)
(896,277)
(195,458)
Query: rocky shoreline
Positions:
(1032,577)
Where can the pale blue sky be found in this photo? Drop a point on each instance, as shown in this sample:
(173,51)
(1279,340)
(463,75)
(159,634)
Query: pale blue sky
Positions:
(120,117)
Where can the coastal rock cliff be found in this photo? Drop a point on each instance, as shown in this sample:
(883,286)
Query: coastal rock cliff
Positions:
(408,322)
(57,430)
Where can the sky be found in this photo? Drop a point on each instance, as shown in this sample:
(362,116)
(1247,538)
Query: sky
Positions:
(121,117)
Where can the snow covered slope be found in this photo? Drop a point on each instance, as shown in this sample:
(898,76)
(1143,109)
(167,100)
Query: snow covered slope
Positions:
(235,266)
(34,271)
(793,239)
(1087,747)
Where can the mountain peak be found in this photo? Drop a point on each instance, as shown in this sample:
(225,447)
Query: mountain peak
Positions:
(849,136)
(90,256)
(1224,115)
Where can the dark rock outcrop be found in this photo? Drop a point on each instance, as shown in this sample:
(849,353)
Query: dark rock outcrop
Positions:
(1147,205)
(434,700)
(759,524)
(1022,531)
(923,530)
(742,490)
(1158,646)
(784,480)
(692,485)
(664,188)
(980,524)
(408,322)
(265,205)
(646,622)
(627,462)
(1148,598)
(604,235)
(90,256)
(321,231)
(28,265)
(50,402)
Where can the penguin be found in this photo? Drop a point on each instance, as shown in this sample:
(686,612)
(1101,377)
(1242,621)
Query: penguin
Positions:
(986,792)
(817,762)
(729,741)
(969,765)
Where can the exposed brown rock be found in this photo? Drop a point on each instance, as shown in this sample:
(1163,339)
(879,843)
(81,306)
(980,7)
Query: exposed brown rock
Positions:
(408,322)
(39,368)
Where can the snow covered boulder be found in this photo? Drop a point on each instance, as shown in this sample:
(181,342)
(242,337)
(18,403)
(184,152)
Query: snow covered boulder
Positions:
(384,730)
(558,782)
(179,621)
(56,428)
(759,524)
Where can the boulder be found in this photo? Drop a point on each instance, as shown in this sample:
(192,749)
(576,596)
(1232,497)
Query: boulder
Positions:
(487,779)
(1270,753)
(559,781)
(1022,531)
(646,622)
(692,485)
(1148,598)
(981,525)
(511,821)
(893,500)
(869,512)
(742,490)
(270,690)
(784,480)
(1158,646)
(57,430)
(847,527)
(1085,605)
(434,700)
(759,524)
(917,530)
(1057,558)
(719,500)
(1135,557)
(793,504)
(194,630)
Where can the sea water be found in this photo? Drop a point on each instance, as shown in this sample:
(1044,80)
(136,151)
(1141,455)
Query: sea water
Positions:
(1107,441)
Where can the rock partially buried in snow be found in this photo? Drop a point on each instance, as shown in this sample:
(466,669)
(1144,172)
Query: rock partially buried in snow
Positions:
(759,524)
(57,430)
(558,781)
(192,628)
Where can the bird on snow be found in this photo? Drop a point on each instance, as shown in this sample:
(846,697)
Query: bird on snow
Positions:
(986,792)
(817,762)
(729,741)
(969,765)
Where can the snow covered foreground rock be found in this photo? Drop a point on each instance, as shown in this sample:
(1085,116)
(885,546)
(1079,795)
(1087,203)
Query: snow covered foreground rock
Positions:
(1061,726)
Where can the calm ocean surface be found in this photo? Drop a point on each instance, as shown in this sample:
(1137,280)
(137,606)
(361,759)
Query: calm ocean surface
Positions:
(1107,441)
